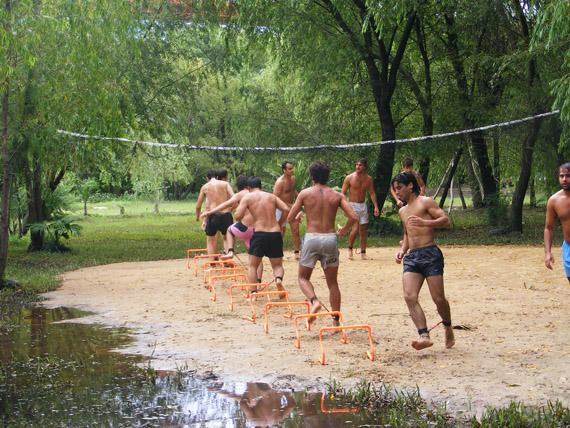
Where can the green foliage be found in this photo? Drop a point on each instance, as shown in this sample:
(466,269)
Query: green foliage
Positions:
(54,231)
(554,414)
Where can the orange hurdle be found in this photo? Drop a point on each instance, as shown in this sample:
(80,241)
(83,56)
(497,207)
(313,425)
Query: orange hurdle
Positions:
(193,251)
(370,354)
(336,409)
(268,294)
(217,263)
(318,314)
(213,279)
(243,286)
(221,271)
(203,256)
(289,304)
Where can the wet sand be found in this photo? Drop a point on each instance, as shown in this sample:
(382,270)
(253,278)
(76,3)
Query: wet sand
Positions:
(515,346)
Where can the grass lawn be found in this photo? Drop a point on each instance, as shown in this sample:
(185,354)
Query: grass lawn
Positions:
(108,237)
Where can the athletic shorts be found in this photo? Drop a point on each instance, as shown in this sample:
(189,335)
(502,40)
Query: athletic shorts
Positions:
(241,231)
(218,222)
(266,244)
(427,261)
(321,247)
(361,211)
(566,258)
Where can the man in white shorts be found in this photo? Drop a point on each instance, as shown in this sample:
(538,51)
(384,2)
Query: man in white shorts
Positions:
(357,184)
(321,204)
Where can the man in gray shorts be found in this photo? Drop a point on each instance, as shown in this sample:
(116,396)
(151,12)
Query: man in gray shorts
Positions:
(321,204)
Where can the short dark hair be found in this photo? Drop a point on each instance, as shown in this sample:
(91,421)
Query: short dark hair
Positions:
(254,182)
(221,174)
(406,178)
(284,165)
(242,182)
(211,173)
(363,162)
(565,165)
(320,172)
(407,163)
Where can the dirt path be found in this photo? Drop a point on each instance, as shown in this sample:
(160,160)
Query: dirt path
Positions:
(518,348)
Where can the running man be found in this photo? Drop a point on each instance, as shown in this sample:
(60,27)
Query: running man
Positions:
(321,204)
(422,258)
(284,189)
(357,184)
(215,192)
(240,229)
(267,240)
(558,207)
(408,166)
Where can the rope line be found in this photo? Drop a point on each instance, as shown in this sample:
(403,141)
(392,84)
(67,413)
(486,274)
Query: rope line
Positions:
(305,148)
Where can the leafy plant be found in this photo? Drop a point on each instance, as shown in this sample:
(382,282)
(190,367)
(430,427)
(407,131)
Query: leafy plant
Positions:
(54,231)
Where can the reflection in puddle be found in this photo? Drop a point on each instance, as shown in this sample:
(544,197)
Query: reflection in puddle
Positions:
(64,374)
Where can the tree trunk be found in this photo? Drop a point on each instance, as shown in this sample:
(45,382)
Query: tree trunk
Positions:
(496,162)
(35,206)
(473,182)
(449,178)
(4,224)
(463,204)
(532,194)
(85,207)
(385,159)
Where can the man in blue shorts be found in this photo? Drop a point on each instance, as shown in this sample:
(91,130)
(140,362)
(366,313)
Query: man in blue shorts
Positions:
(558,207)
(422,259)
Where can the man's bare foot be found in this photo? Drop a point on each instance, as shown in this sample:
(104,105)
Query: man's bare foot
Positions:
(350,254)
(423,342)
(228,255)
(315,308)
(280,287)
(335,322)
(363,256)
(449,337)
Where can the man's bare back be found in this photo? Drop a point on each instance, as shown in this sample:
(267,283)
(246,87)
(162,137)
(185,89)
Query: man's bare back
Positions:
(214,192)
(262,207)
(321,204)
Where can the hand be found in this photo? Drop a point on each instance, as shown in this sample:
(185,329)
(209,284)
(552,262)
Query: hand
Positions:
(342,230)
(548,261)
(204,214)
(416,221)
(203,225)
(399,203)
(399,256)
(299,217)
(376,212)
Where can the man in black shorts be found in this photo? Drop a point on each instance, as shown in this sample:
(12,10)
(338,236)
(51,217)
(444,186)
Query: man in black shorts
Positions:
(422,258)
(267,240)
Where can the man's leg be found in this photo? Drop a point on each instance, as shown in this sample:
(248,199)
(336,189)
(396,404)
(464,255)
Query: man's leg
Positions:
(296,238)
(351,238)
(435,284)
(331,275)
(278,272)
(308,290)
(363,230)
(412,282)
(229,242)
(254,263)
(211,243)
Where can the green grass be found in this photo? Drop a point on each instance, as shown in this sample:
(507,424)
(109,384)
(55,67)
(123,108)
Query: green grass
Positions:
(108,237)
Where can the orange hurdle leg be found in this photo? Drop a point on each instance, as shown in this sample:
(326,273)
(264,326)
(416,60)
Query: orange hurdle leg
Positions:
(289,304)
(370,354)
(190,252)
(244,287)
(208,273)
(213,279)
(268,294)
(217,264)
(203,256)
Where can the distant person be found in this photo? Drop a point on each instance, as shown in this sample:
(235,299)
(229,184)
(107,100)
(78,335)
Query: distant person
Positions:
(558,207)
(215,192)
(267,240)
(408,166)
(357,184)
(240,229)
(320,244)
(421,257)
(284,189)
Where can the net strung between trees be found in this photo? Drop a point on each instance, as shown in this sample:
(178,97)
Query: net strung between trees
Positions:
(307,148)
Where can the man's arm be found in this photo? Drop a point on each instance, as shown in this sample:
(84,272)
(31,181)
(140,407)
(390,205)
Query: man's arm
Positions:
(549,233)
(372,193)
(232,202)
(350,215)
(284,209)
(296,208)
(399,203)
(404,246)
(242,208)
(439,218)
(201,197)
(421,183)
(278,188)
(345,185)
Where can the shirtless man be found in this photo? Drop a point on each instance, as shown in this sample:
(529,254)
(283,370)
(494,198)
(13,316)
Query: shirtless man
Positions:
(267,239)
(558,207)
(422,258)
(321,204)
(215,192)
(357,184)
(284,189)
(240,229)
(408,166)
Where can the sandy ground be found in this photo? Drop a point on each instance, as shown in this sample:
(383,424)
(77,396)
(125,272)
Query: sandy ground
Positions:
(518,347)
